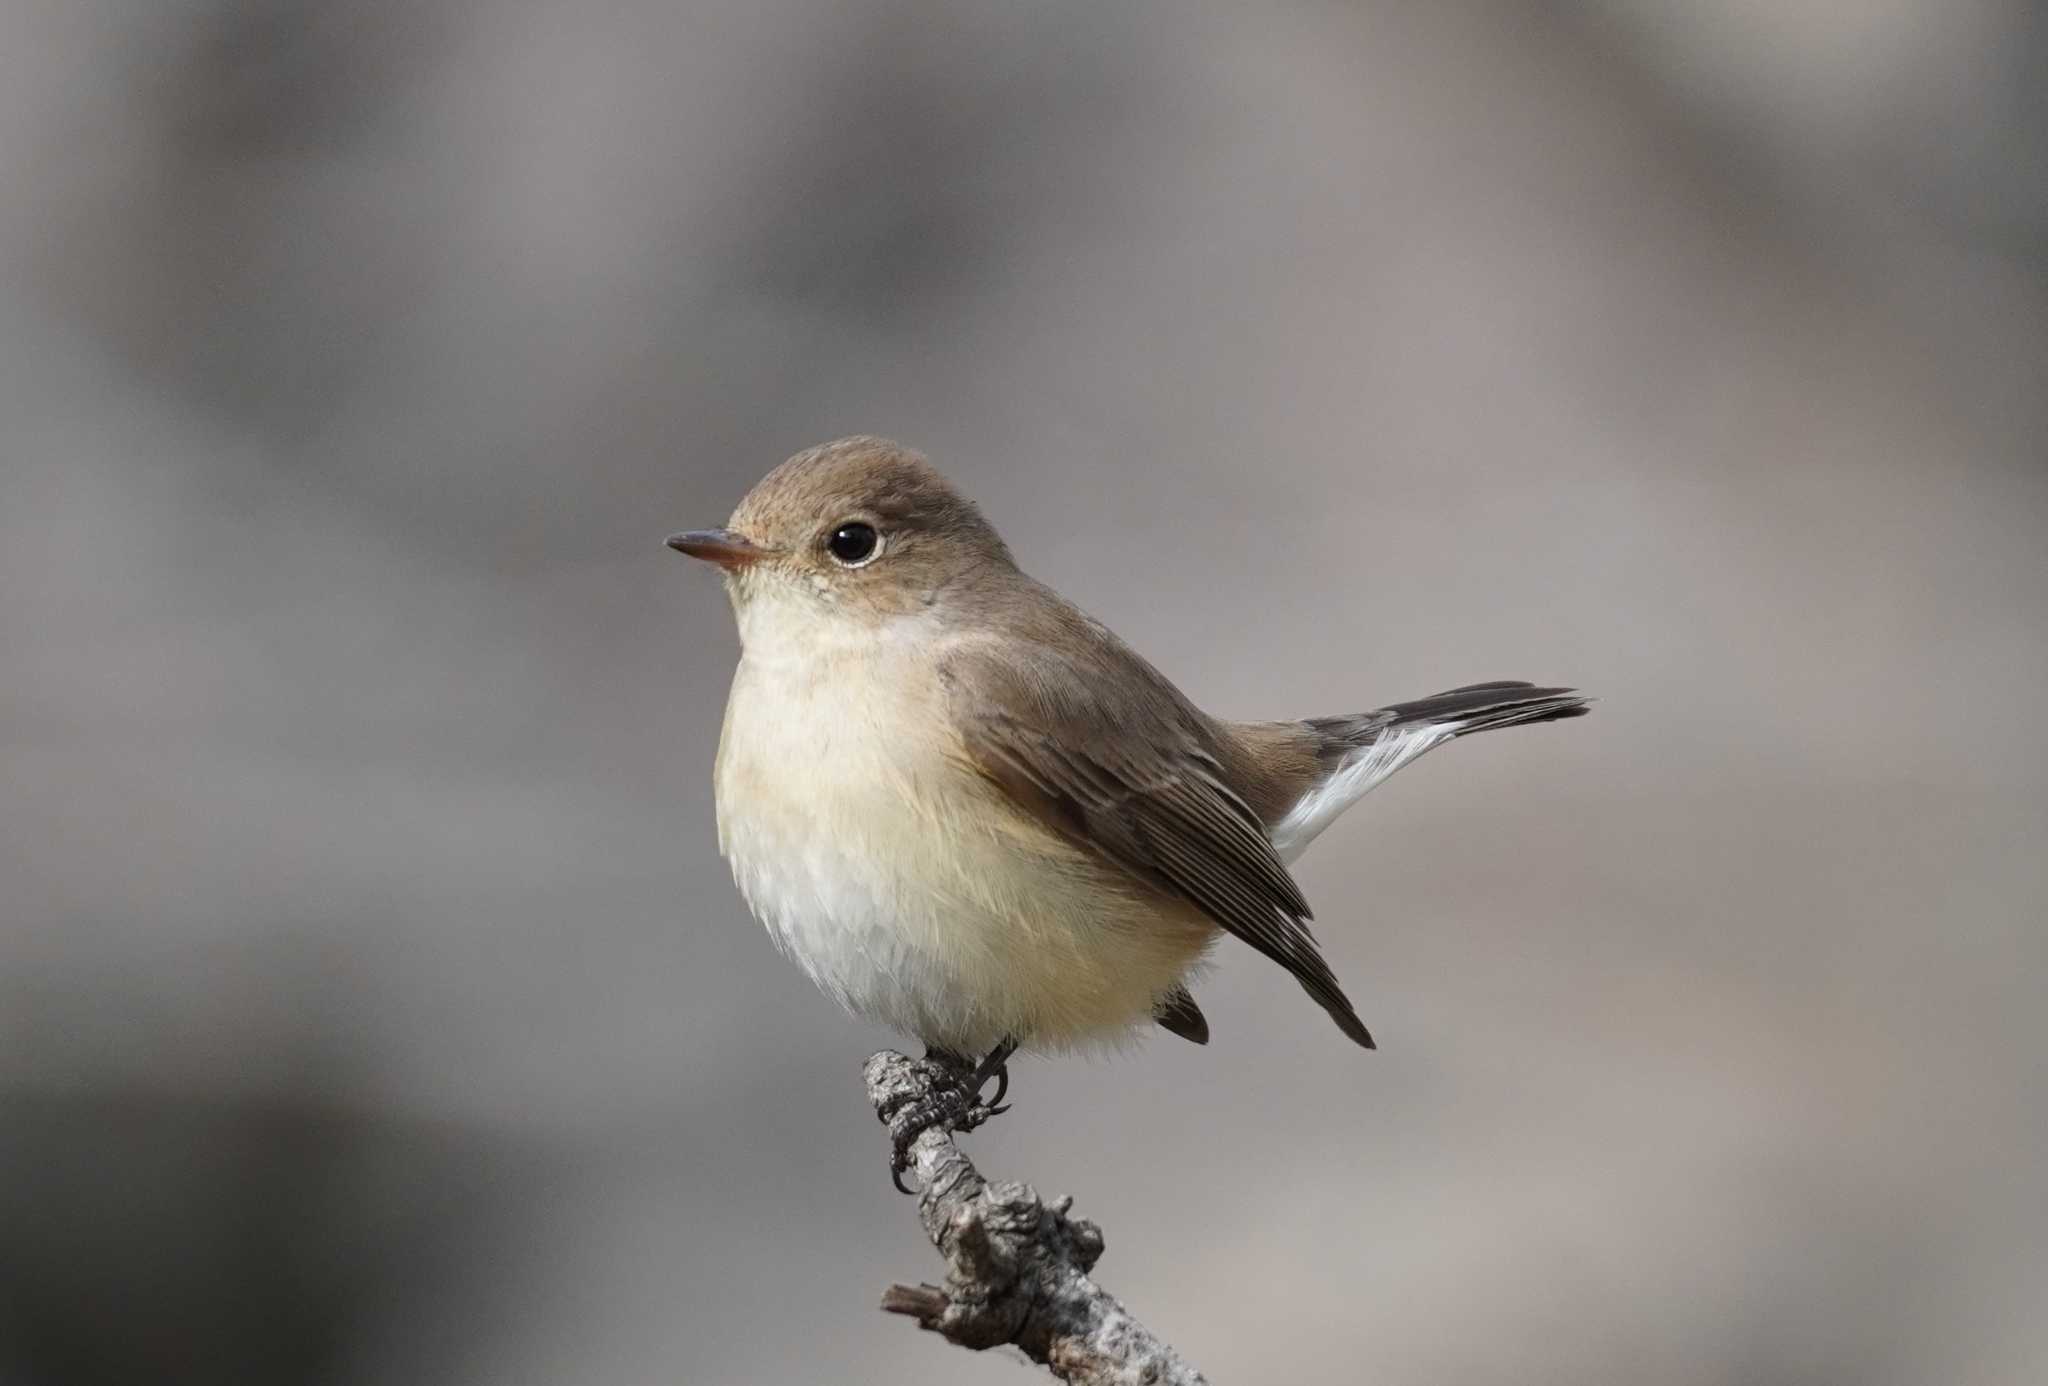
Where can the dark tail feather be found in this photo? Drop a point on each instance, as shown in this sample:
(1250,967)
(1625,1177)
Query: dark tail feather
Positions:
(1475,707)
(1362,750)
(1178,1014)
(1484,706)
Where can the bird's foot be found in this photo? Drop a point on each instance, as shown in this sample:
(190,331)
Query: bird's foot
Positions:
(954,1102)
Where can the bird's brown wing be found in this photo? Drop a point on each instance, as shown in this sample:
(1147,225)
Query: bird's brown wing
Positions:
(1103,750)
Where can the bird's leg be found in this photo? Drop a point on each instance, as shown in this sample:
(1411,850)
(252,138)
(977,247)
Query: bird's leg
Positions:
(996,1065)
(955,1100)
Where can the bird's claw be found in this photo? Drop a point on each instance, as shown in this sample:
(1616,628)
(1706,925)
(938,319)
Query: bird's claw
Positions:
(955,1104)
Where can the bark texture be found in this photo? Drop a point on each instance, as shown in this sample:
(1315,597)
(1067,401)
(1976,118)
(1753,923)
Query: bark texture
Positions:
(1016,1267)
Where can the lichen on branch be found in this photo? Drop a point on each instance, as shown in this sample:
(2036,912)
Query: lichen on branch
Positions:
(1016,1266)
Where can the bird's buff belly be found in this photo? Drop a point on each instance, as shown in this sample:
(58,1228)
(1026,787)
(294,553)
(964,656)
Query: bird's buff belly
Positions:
(926,903)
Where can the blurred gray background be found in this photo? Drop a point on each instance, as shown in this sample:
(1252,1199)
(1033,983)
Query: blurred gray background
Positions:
(373,1005)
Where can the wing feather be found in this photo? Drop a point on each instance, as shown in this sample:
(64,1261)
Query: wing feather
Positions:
(1133,781)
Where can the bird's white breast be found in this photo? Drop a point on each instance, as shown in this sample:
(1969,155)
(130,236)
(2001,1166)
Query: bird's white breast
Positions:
(897,877)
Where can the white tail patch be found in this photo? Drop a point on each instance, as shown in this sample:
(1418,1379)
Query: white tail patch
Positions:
(1354,775)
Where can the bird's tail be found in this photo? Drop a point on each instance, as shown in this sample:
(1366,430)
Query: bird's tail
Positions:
(1361,750)
(1476,707)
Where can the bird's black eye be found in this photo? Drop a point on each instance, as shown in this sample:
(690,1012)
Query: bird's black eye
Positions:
(854,543)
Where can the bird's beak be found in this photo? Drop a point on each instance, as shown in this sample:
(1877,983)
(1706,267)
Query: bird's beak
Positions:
(728,550)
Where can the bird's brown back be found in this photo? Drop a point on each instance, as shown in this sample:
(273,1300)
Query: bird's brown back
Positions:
(1271,765)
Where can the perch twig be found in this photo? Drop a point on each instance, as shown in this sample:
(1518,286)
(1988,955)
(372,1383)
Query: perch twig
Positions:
(1016,1267)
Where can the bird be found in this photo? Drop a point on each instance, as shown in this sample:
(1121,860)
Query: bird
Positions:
(973,813)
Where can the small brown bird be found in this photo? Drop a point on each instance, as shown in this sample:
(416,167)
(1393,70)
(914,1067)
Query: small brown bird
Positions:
(971,812)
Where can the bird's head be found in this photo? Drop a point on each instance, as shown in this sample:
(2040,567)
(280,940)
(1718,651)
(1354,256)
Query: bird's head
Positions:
(859,530)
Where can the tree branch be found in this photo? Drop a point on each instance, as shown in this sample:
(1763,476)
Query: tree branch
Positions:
(1016,1268)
